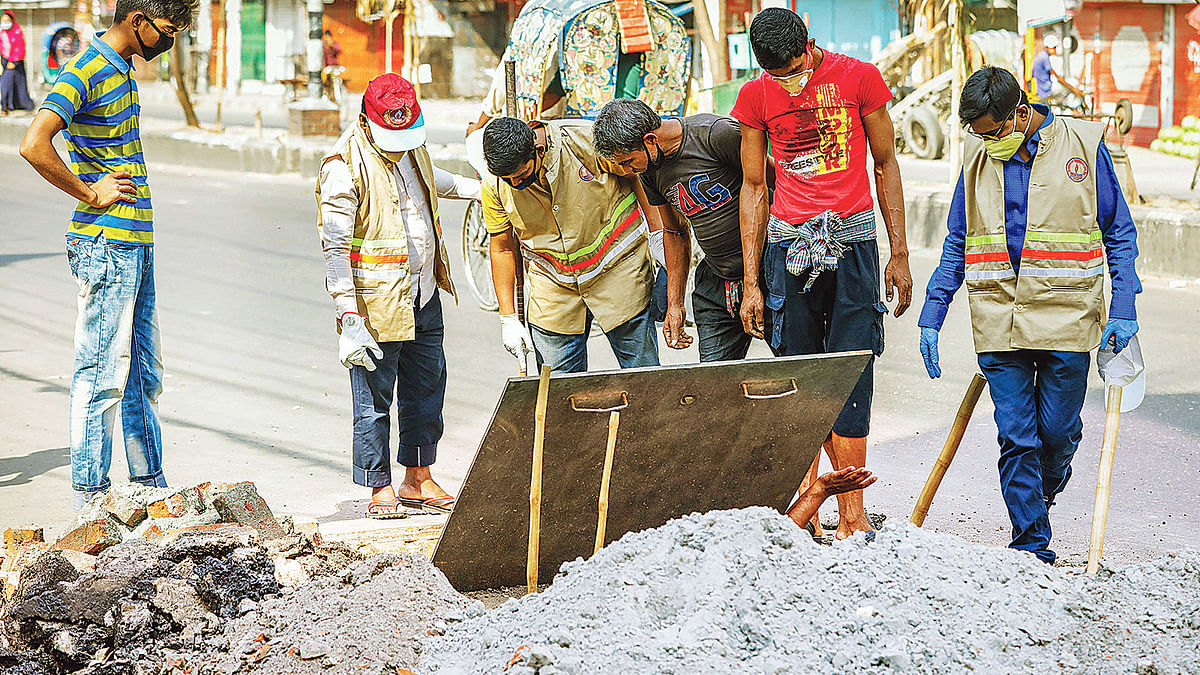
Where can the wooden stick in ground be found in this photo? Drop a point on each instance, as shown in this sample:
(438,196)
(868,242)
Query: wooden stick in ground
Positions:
(535,480)
(1108,452)
(510,99)
(614,421)
(965,409)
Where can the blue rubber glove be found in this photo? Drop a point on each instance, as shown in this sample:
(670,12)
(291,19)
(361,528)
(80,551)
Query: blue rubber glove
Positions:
(1119,332)
(929,337)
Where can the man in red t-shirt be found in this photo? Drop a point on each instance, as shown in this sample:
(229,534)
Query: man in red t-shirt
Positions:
(819,270)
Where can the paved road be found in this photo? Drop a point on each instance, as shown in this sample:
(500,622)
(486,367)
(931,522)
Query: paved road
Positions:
(254,390)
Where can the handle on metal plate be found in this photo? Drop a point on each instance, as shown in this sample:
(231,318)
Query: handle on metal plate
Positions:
(603,402)
(765,389)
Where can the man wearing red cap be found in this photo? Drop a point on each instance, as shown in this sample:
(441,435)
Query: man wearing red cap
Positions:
(377,199)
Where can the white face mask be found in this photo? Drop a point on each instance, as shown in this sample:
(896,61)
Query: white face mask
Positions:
(5,25)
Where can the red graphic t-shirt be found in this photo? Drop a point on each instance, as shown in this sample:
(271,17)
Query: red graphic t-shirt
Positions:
(817,137)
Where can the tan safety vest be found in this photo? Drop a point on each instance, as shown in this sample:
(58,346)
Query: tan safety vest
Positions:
(379,249)
(584,244)
(1057,300)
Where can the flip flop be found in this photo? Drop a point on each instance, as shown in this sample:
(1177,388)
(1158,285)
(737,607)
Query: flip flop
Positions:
(386,510)
(436,504)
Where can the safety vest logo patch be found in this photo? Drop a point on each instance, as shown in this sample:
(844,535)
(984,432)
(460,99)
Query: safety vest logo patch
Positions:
(1077,169)
(585,175)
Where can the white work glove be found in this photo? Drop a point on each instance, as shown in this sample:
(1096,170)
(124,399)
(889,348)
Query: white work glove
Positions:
(657,251)
(355,342)
(514,336)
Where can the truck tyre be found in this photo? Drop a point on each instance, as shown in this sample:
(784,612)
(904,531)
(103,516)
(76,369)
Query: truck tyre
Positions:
(923,133)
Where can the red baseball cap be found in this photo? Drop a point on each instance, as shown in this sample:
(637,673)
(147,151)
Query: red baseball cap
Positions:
(393,113)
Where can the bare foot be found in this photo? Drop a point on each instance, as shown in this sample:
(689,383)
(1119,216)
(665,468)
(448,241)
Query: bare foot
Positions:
(419,484)
(383,494)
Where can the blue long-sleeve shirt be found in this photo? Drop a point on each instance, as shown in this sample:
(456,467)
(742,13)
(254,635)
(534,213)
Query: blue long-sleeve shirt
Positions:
(1112,215)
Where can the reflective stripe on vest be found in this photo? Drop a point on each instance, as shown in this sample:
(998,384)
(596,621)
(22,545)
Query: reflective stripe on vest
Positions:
(1071,249)
(587,262)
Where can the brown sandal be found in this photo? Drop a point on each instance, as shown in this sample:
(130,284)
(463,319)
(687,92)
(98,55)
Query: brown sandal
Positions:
(386,510)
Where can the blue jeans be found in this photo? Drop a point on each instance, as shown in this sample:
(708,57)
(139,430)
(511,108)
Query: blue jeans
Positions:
(413,373)
(635,344)
(1038,396)
(118,359)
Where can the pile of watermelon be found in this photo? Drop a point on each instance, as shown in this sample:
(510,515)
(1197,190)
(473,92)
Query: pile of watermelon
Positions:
(1182,140)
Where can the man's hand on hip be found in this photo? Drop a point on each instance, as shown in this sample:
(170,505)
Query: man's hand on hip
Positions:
(752,310)
(113,187)
(674,328)
(897,280)
(514,336)
(355,344)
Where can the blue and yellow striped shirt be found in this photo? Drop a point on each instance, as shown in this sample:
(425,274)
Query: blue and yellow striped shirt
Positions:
(98,100)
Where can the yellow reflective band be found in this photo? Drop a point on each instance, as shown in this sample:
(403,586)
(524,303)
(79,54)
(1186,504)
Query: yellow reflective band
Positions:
(983,239)
(1064,237)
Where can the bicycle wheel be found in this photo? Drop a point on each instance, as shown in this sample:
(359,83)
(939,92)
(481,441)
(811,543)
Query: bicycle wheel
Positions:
(476,258)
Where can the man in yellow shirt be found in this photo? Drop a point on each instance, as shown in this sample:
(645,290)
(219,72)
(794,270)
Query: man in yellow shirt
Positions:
(578,222)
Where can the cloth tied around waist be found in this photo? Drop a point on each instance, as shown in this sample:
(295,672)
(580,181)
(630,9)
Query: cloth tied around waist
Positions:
(816,245)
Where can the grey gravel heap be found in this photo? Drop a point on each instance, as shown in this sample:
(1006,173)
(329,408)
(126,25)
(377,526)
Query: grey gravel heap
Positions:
(747,591)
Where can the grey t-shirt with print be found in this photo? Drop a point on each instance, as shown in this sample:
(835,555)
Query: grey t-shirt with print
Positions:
(701,179)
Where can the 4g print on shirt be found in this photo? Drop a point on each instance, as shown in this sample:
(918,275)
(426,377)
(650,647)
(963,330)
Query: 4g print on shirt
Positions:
(823,140)
(700,193)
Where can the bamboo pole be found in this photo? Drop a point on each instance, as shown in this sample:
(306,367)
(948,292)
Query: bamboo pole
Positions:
(535,481)
(956,85)
(181,92)
(1108,452)
(715,48)
(390,17)
(949,449)
(614,421)
(220,62)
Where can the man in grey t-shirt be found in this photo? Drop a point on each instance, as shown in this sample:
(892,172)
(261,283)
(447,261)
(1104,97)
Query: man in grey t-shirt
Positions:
(694,165)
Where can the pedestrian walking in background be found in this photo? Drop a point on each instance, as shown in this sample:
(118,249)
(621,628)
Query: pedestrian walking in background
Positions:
(1036,210)
(823,113)
(14,88)
(118,357)
(385,259)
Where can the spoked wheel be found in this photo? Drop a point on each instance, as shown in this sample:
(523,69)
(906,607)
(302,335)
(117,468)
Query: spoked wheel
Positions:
(476,258)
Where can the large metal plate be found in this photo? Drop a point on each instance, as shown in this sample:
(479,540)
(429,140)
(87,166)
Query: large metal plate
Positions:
(692,438)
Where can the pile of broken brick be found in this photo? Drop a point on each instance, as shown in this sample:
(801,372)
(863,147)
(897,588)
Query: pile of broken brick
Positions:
(145,572)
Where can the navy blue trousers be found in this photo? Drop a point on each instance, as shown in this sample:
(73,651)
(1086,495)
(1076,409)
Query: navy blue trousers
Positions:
(1038,397)
(413,374)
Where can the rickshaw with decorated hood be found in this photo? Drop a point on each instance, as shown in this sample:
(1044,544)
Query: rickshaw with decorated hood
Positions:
(572,57)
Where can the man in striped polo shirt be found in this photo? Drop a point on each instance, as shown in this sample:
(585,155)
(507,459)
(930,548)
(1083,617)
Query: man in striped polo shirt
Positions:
(110,241)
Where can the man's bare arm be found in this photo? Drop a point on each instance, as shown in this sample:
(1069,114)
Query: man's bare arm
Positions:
(503,255)
(827,485)
(897,279)
(753,211)
(37,147)
(677,249)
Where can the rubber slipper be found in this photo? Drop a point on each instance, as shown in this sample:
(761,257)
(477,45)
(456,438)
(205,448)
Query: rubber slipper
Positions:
(386,510)
(443,504)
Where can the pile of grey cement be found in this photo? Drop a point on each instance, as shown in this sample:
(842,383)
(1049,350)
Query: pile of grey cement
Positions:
(369,618)
(747,591)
